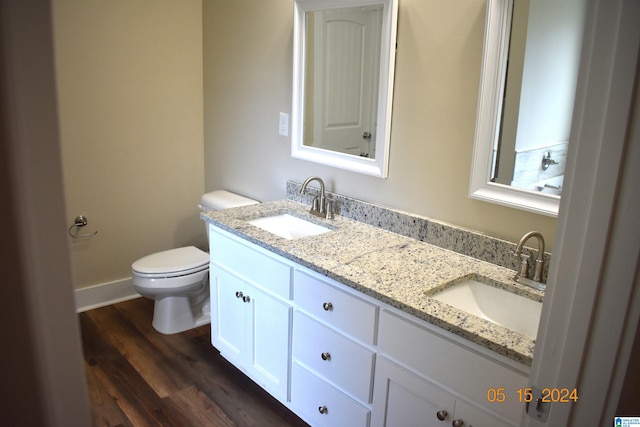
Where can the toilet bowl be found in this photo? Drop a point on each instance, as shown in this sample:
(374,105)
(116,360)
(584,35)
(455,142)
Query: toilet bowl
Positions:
(178,279)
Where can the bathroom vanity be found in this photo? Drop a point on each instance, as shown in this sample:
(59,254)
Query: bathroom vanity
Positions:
(340,327)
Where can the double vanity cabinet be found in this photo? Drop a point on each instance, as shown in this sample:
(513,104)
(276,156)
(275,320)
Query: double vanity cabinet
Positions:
(338,357)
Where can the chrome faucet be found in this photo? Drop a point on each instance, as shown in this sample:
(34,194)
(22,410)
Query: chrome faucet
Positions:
(522,276)
(319,207)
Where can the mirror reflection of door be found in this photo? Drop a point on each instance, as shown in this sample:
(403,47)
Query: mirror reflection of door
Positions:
(341,114)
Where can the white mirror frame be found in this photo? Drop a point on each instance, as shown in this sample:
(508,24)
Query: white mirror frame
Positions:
(379,165)
(492,81)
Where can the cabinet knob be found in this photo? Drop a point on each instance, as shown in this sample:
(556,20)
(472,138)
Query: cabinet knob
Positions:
(442,415)
(246,298)
(327,306)
(326,356)
(239,294)
(323,409)
(457,423)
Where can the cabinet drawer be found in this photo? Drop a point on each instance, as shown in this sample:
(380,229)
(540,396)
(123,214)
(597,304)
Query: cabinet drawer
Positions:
(448,363)
(251,263)
(335,307)
(320,404)
(333,356)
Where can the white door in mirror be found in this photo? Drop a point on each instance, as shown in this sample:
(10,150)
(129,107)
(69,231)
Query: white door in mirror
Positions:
(346,54)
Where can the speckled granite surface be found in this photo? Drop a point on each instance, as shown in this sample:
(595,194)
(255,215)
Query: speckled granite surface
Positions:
(447,236)
(390,267)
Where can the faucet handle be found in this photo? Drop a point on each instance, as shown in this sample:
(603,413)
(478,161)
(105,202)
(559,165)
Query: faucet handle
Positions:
(329,209)
(523,270)
(537,272)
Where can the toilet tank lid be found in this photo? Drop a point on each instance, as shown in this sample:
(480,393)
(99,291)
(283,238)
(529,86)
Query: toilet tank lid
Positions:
(173,260)
(223,199)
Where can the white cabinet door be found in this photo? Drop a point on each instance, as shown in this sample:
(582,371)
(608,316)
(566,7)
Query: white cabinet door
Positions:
(401,398)
(228,314)
(270,333)
(470,374)
(476,417)
(252,330)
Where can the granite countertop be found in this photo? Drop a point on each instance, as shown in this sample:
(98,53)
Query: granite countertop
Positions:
(389,267)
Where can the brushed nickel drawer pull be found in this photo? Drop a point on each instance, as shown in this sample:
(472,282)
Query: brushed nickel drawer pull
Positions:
(327,306)
(326,356)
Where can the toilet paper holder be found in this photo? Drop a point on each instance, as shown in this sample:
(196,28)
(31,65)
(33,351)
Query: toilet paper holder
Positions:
(80,221)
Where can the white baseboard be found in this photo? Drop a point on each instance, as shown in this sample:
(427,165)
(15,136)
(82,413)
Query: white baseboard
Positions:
(104,294)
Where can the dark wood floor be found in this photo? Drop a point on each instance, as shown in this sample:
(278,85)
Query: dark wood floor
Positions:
(139,377)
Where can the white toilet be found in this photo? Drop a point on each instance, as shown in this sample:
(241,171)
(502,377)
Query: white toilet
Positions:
(178,279)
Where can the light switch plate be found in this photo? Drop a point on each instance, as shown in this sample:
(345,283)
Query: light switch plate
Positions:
(283,124)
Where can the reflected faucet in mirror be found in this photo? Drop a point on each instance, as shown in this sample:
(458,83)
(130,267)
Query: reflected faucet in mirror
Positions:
(548,161)
(522,276)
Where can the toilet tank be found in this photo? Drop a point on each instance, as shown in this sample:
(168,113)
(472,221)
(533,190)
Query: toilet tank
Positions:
(222,199)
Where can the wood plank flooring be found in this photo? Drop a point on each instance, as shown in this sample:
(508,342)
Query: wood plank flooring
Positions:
(139,377)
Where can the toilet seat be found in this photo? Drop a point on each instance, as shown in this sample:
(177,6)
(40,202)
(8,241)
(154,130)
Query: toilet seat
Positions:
(171,263)
(178,279)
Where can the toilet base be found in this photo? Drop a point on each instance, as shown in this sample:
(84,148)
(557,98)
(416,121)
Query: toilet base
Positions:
(172,315)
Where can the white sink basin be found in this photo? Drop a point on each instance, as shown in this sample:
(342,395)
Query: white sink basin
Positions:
(288,226)
(501,307)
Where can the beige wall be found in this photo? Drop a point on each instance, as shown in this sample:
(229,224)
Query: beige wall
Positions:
(129,76)
(132,129)
(247,82)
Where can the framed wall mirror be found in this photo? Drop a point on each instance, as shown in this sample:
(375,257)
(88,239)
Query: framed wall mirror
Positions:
(343,68)
(530,68)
